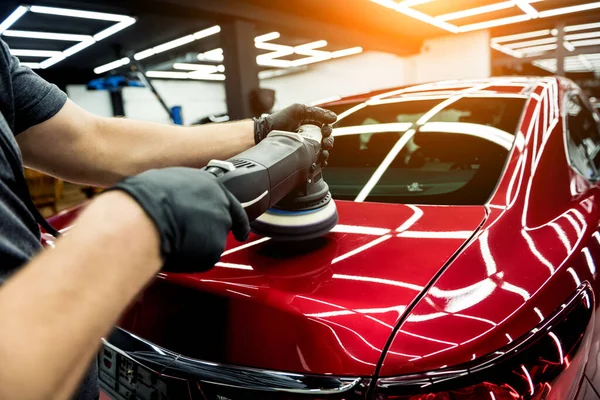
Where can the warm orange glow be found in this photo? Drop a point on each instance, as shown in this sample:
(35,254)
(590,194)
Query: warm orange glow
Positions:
(526,9)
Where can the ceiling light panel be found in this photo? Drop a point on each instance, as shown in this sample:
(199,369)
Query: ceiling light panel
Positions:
(82,41)
(525,11)
(530,43)
(313,52)
(537,42)
(213,30)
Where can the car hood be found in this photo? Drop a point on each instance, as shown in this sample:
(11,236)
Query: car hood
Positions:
(327,306)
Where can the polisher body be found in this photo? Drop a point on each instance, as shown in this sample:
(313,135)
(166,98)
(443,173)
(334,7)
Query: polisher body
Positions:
(280,185)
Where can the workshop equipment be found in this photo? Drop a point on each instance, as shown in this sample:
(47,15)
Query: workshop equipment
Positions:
(280,184)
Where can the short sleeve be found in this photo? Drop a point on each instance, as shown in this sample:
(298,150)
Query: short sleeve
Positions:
(35,100)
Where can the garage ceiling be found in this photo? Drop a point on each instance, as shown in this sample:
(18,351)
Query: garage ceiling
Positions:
(398,26)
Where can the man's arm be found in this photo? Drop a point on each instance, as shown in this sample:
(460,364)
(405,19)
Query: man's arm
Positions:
(55,310)
(78,146)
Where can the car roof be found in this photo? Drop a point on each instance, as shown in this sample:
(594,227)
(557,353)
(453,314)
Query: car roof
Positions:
(489,87)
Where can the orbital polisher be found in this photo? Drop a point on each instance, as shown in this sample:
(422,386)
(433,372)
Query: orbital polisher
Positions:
(279,182)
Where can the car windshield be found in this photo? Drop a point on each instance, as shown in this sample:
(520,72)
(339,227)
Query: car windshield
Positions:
(426,151)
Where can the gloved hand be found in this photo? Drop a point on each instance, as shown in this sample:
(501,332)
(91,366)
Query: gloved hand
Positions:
(293,117)
(193,214)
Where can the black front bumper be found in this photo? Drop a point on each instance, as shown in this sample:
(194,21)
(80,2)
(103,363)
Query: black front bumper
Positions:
(133,368)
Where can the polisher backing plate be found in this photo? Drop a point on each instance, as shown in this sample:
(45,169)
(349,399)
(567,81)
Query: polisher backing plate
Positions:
(283,225)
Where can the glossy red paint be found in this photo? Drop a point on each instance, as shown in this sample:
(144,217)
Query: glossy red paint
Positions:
(537,245)
(439,285)
(323,307)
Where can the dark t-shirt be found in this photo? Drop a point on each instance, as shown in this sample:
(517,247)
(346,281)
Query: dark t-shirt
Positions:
(25,100)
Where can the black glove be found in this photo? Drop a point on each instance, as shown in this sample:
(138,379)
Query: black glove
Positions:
(193,213)
(293,117)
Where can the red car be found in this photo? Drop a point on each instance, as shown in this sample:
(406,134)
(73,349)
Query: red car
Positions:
(463,266)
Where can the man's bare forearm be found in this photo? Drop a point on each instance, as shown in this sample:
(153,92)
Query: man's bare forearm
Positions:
(79,147)
(146,145)
(55,310)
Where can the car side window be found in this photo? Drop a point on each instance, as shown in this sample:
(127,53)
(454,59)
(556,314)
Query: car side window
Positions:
(583,137)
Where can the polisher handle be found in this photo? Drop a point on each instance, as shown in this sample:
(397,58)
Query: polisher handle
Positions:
(263,175)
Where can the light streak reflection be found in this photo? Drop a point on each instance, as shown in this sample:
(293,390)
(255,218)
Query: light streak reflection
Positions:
(558,347)
(488,259)
(539,313)
(536,252)
(516,289)
(361,249)
(418,213)
(379,280)
(245,246)
(531,388)
(562,235)
(590,261)
(575,276)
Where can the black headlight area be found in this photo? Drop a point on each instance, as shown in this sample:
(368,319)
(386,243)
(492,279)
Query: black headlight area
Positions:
(547,363)
(133,368)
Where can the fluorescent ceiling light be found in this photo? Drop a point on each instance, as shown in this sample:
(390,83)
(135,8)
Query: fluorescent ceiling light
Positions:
(31,65)
(213,30)
(34,53)
(530,43)
(177,42)
(267,37)
(582,27)
(173,44)
(427,18)
(347,52)
(12,18)
(546,65)
(586,63)
(84,41)
(78,47)
(164,47)
(167,74)
(506,50)
(270,59)
(305,48)
(568,46)
(185,75)
(114,29)
(312,45)
(51,61)
(311,60)
(110,66)
(212,55)
(520,36)
(206,77)
(579,36)
(527,8)
(493,23)
(144,54)
(539,49)
(589,42)
(207,69)
(569,10)
(47,36)
(77,13)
